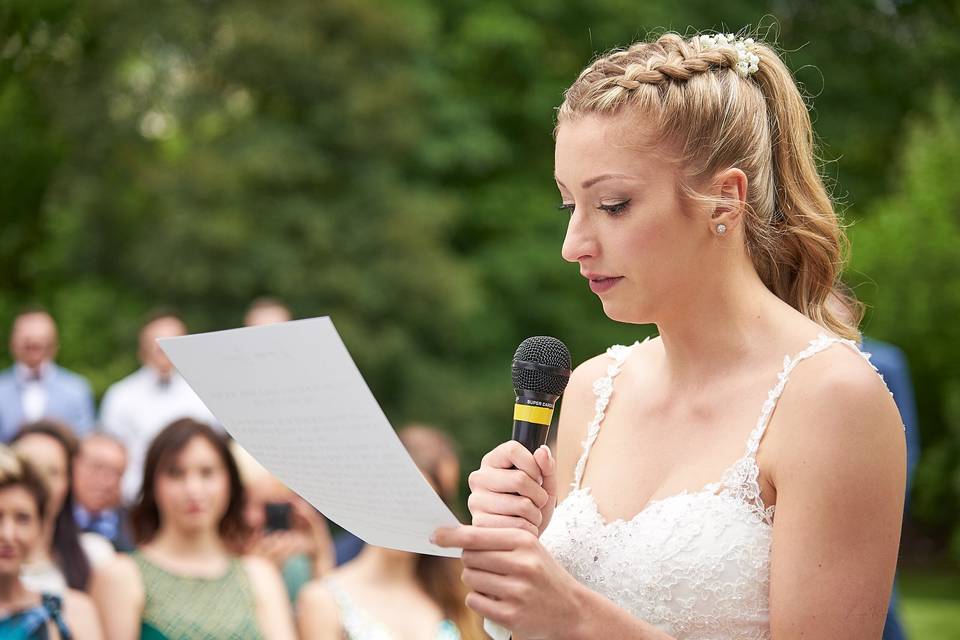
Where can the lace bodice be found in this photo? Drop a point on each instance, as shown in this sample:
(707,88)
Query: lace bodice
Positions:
(696,564)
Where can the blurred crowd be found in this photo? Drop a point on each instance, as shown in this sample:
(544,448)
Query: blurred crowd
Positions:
(145,520)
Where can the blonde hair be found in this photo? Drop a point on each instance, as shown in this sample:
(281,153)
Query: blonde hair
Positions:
(716,119)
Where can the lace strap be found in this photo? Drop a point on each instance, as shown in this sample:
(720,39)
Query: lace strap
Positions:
(818,344)
(602,389)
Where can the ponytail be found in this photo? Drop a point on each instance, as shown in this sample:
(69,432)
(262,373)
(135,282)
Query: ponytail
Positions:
(800,260)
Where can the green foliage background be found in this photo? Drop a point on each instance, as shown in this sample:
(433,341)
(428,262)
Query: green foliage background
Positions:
(389,164)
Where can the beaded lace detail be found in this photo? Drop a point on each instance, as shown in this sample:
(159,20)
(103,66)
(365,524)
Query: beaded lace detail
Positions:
(696,564)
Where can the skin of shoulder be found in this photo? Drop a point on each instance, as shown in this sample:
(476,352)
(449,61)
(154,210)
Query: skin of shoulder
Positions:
(273,608)
(117,592)
(318,615)
(576,413)
(838,456)
(80,615)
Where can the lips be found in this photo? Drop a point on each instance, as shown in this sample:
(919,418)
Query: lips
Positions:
(601,284)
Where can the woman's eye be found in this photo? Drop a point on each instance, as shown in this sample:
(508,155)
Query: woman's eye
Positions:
(614,209)
(566,206)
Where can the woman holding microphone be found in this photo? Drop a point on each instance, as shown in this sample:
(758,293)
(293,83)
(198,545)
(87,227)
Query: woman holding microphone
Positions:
(742,474)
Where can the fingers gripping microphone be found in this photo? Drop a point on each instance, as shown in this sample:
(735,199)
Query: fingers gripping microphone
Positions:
(541,370)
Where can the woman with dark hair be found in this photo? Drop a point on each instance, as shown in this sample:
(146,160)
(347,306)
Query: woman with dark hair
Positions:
(26,614)
(383,593)
(185,579)
(64,557)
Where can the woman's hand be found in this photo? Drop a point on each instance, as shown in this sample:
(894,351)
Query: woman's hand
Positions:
(515,582)
(514,489)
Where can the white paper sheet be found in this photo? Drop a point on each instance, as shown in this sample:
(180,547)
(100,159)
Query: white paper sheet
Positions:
(292,396)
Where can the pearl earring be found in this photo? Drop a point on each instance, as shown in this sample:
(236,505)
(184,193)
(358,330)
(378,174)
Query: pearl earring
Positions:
(721,229)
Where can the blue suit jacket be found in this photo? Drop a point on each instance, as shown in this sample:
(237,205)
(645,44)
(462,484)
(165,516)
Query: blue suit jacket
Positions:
(69,399)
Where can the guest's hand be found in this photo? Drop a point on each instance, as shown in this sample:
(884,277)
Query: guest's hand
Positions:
(515,582)
(313,525)
(514,488)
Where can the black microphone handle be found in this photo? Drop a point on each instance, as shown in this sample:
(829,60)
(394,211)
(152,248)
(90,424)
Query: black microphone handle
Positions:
(532,415)
(530,434)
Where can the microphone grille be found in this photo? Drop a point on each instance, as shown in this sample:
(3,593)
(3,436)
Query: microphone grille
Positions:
(549,353)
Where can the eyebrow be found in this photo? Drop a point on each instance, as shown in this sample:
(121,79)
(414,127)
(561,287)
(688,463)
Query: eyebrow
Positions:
(592,181)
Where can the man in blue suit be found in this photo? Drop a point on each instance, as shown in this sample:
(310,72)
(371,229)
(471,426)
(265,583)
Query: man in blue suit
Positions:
(35,387)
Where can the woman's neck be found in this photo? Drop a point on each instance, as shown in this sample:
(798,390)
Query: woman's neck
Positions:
(12,592)
(188,544)
(729,321)
(387,565)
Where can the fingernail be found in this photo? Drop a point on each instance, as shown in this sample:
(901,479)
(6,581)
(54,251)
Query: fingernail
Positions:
(549,453)
(433,538)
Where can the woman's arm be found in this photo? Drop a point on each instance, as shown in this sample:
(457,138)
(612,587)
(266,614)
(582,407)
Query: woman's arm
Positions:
(840,476)
(117,592)
(273,605)
(80,615)
(318,616)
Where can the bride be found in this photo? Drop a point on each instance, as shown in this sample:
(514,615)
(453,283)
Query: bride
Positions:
(742,474)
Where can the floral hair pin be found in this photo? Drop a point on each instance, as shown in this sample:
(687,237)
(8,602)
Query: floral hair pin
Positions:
(747,60)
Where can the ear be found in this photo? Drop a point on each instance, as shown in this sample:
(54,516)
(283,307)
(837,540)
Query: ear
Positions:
(730,193)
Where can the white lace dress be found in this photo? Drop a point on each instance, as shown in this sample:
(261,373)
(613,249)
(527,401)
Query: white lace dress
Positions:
(695,565)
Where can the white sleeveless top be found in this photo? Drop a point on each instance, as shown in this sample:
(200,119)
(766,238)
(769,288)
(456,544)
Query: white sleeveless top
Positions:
(695,565)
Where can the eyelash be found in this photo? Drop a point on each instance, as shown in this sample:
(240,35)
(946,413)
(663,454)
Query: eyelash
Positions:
(612,209)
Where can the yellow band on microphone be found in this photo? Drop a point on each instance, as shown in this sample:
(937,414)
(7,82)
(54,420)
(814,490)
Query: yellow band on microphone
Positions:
(529,413)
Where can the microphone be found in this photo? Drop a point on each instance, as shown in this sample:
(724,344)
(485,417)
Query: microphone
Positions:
(541,370)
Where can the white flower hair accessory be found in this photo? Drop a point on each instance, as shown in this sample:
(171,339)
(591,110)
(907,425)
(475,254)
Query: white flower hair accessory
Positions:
(747,59)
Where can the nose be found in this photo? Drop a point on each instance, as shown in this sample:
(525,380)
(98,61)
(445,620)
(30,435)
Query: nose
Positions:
(7,527)
(579,243)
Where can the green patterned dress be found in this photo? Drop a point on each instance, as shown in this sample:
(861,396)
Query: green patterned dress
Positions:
(182,608)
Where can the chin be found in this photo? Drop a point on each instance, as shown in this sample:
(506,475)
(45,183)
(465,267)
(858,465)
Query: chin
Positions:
(628,314)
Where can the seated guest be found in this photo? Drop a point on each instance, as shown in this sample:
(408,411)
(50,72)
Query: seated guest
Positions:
(24,613)
(266,310)
(62,557)
(35,387)
(185,580)
(97,472)
(283,527)
(383,593)
(135,409)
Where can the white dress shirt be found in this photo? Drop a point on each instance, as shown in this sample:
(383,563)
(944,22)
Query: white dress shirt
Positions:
(138,407)
(34,398)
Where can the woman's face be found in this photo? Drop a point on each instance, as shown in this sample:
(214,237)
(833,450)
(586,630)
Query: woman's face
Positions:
(47,456)
(19,528)
(193,492)
(635,244)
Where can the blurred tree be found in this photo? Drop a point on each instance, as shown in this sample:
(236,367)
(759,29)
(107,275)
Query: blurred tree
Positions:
(907,248)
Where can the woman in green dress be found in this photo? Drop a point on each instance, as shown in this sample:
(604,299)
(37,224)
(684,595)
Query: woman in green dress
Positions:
(25,614)
(185,579)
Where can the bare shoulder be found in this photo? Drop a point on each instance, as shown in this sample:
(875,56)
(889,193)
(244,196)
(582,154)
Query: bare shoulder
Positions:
(318,615)
(119,573)
(262,573)
(318,597)
(836,408)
